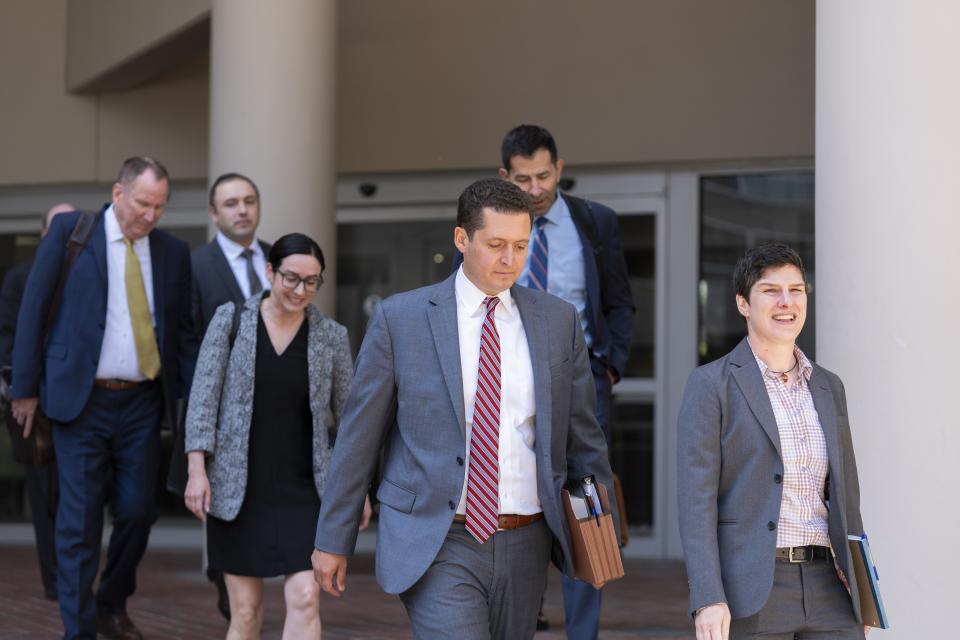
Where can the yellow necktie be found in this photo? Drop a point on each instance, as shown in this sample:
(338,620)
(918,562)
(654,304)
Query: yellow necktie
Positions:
(148,356)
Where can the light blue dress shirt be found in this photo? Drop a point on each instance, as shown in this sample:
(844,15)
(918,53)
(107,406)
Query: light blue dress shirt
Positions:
(566,277)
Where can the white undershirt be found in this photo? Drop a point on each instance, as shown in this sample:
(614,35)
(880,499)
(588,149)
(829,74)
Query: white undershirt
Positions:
(238,264)
(118,352)
(517,458)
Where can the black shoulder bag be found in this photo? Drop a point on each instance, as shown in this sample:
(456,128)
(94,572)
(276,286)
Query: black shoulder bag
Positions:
(37,448)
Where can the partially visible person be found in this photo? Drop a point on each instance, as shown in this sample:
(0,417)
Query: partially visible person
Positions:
(40,482)
(767,479)
(265,388)
(120,352)
(575,254)
(229,268)
(233,266)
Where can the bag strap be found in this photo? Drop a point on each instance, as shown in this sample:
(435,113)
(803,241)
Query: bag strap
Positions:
(582,213)
(75,244)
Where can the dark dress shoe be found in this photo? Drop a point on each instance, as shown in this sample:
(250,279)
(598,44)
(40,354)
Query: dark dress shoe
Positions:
(118,626)
(542,623)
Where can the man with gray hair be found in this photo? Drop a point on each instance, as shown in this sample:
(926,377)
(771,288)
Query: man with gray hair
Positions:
(119,352)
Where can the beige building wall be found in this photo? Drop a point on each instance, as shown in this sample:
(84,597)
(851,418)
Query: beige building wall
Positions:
(433,85)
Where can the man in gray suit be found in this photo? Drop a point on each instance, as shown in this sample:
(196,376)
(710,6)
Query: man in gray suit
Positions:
(482,395)
(229,268)
(767,479)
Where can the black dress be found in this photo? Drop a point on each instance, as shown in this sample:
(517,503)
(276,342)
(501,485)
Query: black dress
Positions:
(273,533)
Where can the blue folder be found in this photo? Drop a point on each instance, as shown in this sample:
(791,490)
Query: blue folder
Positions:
(871,604)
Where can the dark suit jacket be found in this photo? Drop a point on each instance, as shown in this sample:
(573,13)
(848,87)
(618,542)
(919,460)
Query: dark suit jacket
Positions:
(213,283)
(609,300)
(62,371)
(407,396)
(729,481)
(10,295)
(609,312)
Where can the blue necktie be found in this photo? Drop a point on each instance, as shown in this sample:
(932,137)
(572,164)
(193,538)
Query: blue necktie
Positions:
(537,274)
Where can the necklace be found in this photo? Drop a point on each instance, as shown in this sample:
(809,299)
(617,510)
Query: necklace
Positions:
(784,375)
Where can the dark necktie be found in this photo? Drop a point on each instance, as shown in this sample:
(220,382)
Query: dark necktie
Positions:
(483,475)
(539,253)
(252,279)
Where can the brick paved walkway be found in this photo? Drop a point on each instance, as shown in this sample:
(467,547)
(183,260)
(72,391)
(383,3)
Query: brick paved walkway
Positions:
(175,602)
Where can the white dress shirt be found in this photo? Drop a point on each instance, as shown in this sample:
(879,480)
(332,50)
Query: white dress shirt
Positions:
(517,458)
(238,264)
(118,353)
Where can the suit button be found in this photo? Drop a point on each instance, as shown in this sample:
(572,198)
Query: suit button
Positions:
(459,461)
(771,526)
(451,505)
(778,478)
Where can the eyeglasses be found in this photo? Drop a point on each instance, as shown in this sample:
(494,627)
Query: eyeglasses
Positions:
(292,281)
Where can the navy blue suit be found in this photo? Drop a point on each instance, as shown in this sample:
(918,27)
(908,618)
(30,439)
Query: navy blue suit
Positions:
(101,436)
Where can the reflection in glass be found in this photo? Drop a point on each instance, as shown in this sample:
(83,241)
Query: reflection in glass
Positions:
(736,213)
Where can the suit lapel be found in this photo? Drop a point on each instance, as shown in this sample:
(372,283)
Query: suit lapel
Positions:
(826,406)
(748,377)
(538,342)
(222,268)
(98,241)
(442,315)
(157,269)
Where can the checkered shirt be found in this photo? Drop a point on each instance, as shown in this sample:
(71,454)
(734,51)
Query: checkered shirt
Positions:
(803,512)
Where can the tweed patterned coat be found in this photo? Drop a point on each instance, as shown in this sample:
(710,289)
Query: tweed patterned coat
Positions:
(221,399)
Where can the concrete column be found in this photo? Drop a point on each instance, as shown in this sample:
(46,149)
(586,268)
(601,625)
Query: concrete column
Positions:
(272,114)
(887,232)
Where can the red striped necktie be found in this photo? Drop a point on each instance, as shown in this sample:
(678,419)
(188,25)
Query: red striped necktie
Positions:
(483,496)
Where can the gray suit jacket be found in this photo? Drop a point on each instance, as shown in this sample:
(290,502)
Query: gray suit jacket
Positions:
(729,481)
(221,399)
(408,396)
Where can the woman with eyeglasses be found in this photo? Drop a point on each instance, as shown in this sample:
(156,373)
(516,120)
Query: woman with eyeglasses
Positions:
(268,380)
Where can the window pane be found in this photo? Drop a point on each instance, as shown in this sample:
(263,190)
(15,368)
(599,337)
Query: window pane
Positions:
(639,236)
(736,213)
(631,455)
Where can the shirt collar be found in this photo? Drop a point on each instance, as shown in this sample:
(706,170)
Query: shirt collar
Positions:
(471,298)
(558,211)
(232,250)
(111,227)
(805,366)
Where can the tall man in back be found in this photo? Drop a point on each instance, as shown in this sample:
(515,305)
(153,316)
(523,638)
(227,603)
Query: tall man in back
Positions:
(230,268)
(481,394)
(575,253)
(120,350)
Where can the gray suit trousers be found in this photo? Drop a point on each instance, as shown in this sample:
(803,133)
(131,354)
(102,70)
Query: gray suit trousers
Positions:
(487,591)
(807,602)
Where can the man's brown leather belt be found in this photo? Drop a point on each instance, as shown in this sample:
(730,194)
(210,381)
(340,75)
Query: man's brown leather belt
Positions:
(112,384)
(507,520)
(808,553)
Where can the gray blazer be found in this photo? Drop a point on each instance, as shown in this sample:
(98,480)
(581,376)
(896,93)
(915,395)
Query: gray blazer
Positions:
(407,395)
(729,481)
(221,399)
